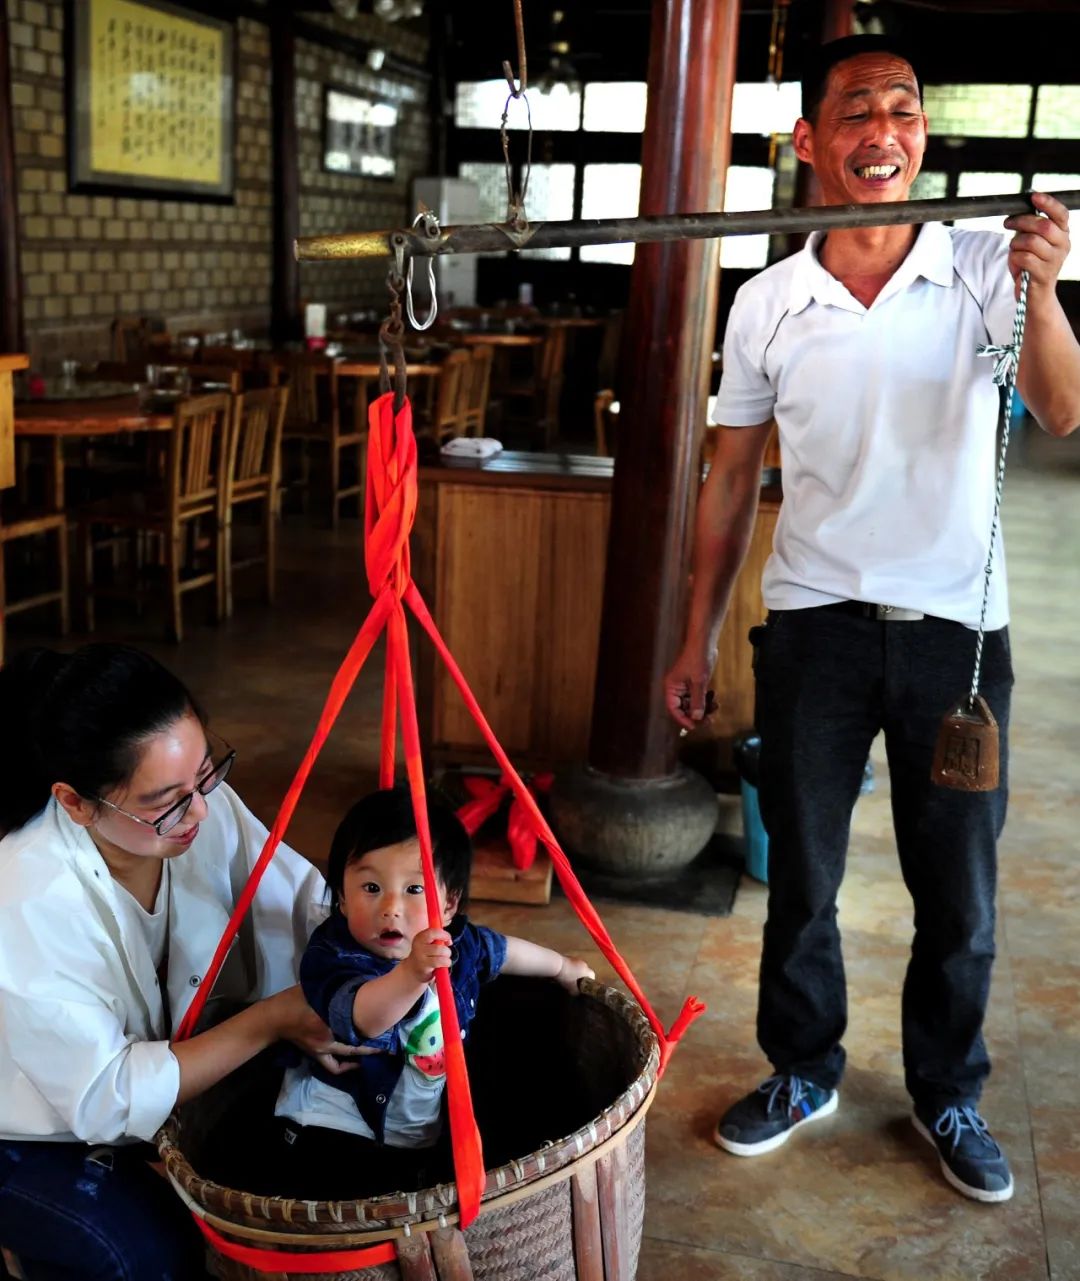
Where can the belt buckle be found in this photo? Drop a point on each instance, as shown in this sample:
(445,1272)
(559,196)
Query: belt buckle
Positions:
(894,614)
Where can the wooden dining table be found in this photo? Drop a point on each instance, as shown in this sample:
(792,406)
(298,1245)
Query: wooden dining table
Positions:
(497,338)
(79,418)
(572,322)
(371,369)
(86,416)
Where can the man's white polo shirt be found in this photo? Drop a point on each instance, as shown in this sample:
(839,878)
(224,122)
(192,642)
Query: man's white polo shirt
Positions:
(887,424)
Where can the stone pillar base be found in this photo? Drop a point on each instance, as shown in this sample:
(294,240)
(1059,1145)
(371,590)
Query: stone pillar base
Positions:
(637,830)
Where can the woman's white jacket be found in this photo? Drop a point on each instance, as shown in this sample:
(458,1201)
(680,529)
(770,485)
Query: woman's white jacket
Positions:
(84,1052)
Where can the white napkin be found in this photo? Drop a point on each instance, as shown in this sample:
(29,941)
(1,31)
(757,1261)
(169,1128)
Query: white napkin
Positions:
(471,447)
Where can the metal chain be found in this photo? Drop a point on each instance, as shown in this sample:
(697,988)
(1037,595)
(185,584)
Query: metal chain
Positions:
(1005,371)
(515,201)
(392,329)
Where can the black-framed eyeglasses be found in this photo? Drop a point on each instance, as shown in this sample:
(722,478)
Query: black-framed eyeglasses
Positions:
(175,813)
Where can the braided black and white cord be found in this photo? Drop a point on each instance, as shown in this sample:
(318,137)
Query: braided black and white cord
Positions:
(1007,363)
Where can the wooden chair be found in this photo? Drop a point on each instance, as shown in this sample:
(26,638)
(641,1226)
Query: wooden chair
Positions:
(314,419)
(475,390)
(542,390)
(41,523)
(99,465)
(126,337)
(270,369)
(223,376)
(607,367)
(253,475)
(189,508)
(605,420)
(446,419)
(139,339)
(242,358)
(552,366)
(254,369)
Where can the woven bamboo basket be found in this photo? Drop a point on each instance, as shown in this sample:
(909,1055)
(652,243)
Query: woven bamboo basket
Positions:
(542,1063)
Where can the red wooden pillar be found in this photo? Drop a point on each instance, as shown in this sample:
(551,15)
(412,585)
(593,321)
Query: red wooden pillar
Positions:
(634,811)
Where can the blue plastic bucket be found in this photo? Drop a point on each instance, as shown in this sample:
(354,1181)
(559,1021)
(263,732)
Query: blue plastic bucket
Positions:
(755,838)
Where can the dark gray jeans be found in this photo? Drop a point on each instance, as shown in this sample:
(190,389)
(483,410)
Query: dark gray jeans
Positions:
(827,682)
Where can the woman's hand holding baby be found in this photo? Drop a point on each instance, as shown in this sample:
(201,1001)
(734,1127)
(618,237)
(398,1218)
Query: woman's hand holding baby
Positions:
(302,1026)
(430,952)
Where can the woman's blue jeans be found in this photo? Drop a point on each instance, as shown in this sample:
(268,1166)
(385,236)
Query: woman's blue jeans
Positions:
(827,682)
(72,1212)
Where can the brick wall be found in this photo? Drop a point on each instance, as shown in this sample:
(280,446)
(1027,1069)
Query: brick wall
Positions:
(332,202)
(88,258)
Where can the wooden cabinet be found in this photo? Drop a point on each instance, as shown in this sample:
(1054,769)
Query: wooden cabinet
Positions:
(511,561)
(513,568)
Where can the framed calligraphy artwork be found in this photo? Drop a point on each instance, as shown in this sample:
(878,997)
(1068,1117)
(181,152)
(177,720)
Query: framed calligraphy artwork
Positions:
(359,135)
(151,99)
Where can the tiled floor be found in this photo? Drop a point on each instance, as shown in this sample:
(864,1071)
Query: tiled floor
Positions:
(860,1196)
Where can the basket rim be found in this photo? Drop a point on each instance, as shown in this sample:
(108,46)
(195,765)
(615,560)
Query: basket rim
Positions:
(438,1203)
(315,1242)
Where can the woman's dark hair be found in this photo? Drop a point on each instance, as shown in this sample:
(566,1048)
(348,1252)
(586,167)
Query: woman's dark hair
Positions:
(815,78)
(79,719)
(386,818)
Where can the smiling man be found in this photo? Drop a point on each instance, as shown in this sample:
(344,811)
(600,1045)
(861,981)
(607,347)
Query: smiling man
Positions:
(862,348)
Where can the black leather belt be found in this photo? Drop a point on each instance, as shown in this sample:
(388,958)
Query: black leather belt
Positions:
(882,613)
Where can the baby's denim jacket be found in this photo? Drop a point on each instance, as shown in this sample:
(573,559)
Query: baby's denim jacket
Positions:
(334,966)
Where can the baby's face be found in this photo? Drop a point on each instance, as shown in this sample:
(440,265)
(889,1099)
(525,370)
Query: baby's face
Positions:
(382,899)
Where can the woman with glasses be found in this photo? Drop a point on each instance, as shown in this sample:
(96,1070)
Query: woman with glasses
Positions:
(124,852)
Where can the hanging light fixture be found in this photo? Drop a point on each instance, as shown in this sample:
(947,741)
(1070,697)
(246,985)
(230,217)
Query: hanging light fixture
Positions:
(560,72)
(398,10)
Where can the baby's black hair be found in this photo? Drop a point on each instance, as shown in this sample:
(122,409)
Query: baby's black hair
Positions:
(385,818)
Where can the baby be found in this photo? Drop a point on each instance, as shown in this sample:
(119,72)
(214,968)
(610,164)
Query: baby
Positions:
(368,972)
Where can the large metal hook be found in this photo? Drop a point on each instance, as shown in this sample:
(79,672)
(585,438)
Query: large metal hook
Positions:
(429,226)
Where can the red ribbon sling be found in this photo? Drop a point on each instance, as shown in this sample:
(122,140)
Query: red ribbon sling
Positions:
(486,798)
(389,512)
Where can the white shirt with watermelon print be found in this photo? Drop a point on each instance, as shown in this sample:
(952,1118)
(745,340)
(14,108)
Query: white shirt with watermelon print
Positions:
(414,1112)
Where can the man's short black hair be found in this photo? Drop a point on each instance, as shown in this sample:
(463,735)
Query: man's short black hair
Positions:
(386,818)
(816,74)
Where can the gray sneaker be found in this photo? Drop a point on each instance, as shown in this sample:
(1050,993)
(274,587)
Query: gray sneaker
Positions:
(970,1158)
(769,1115)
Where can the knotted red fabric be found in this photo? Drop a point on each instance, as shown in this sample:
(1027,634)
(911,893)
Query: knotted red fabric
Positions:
(487,797)
(389,512)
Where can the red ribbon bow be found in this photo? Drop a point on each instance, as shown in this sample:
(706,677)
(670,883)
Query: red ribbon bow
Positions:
(521,831)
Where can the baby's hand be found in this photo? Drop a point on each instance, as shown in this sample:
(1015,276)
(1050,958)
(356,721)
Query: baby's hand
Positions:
(573,968)
(430,952)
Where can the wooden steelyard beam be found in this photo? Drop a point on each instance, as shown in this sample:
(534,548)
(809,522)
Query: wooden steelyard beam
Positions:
(493,237)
